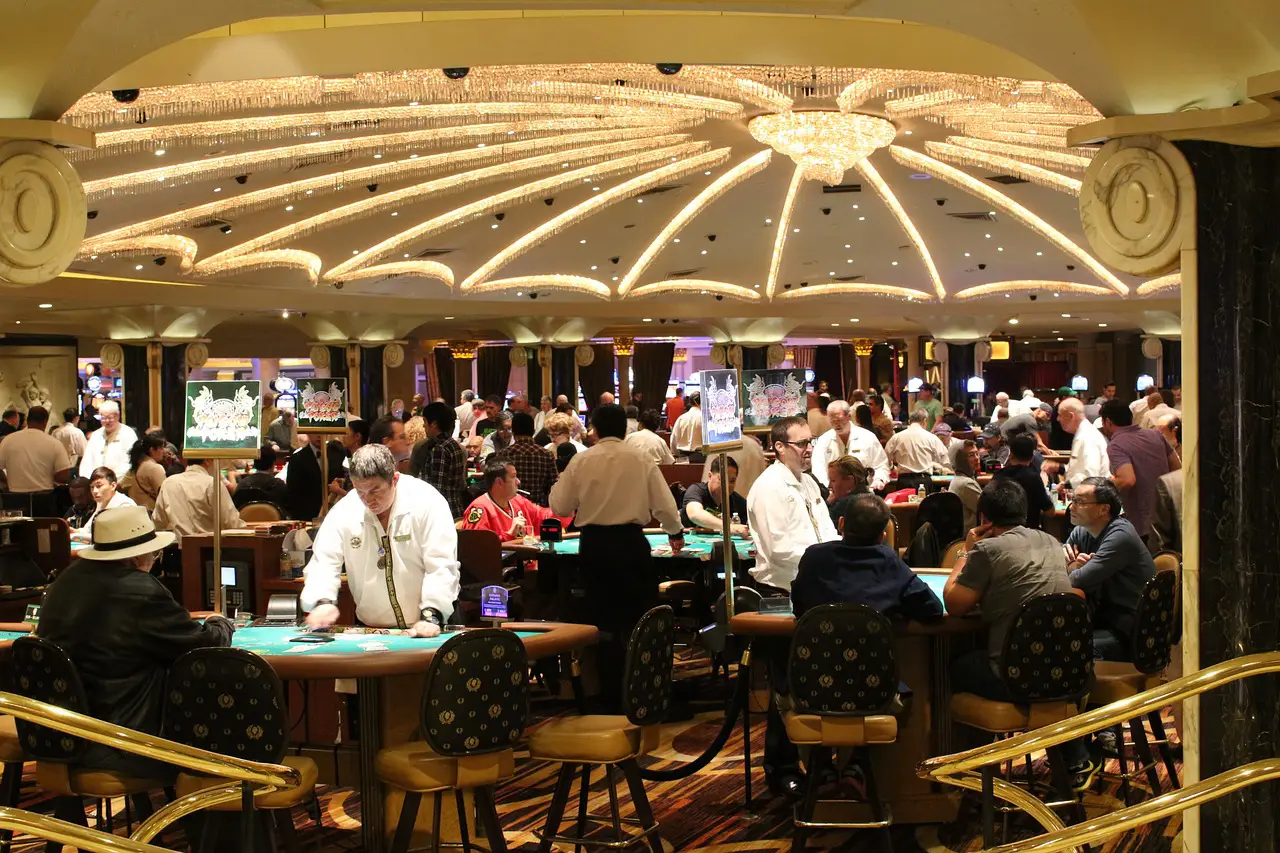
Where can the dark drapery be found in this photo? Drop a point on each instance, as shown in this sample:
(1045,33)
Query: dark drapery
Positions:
(173,389)
(755,358)
(1238,298)
(373,390)
(651,366)
(493,371)
(338,362)
(960,365)
(534,371)
(881,367)
(562,381)
(1172,364)
(849,369)
(444,375)
(826,366)
(136,399)
(597,377)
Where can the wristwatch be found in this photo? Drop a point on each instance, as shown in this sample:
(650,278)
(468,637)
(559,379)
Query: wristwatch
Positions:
(328,601)
(430,614)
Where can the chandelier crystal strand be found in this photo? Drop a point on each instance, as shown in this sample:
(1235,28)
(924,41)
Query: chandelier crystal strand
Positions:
(842,288)
(568,283)
(1026,153)
(308,262)
(824,143)
(184,249)
(1158,285)
(1007,165)
(1000,288)
(101,109)
(695,285)
(398,269)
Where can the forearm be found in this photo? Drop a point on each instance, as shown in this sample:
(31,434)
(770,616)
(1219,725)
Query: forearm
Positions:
(701,518)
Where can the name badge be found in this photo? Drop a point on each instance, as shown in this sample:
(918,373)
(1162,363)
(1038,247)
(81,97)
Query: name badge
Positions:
(404,537)
(355,541)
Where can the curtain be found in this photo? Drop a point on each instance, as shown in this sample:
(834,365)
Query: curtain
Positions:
(534,381)
(881,366)
(446,388)
(755,358)
(651,365)
(1172,364)
(562,374)
(493,371)
(849,367)
(826,367)
(135,401)
(803,358)
(338,362)
(597,377)
(372,388)
(173,385)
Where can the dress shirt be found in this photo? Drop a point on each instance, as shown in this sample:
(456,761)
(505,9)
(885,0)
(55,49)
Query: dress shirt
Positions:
(442,462)
(1148,453)
(73,440)
(535,466)
(915,450)
(85,534)
(686,435)
(420,541)
(539,418)
(465,417)
(1088,455)
(185,504)
(651,445)
(1151,416)
(786,515)
(862,445)
(113,453)
(614,483)
(30,459)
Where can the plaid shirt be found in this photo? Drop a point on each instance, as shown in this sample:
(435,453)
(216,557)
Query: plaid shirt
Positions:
(442,462)
(535,466)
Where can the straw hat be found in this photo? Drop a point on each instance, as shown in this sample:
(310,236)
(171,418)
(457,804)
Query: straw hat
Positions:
(124,532)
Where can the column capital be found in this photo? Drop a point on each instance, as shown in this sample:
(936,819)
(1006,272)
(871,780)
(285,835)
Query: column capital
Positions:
(624,346)
(463,350)
(862,347)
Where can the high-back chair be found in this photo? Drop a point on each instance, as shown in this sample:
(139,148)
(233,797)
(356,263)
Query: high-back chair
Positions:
(260,511)
(843,682)
(44,671)
(231,701)
(945,511)
(1047,668)
(474,704)
(613,740)
(1154,626)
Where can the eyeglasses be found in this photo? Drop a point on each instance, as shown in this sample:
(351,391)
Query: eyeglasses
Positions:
(1077,502)
(802,443)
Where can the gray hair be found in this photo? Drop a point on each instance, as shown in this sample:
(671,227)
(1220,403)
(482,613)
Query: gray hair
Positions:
(373,460)
(468,395)
(838,406)
(502,417)
(920,416)
(109,406)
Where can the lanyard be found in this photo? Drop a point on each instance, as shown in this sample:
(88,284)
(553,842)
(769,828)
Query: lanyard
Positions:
(387,563)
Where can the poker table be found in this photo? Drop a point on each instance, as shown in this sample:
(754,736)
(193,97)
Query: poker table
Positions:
(697,546)
(923,654)
(1056,523)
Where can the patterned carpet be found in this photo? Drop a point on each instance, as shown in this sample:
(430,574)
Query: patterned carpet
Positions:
(701,814)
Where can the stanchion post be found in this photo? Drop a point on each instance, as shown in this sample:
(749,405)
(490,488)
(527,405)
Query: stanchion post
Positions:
(219,588)
(726,533)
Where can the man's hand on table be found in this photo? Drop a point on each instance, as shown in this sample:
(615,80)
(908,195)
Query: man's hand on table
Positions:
(424,629)
(324,616)
(742,531)
(1075,559)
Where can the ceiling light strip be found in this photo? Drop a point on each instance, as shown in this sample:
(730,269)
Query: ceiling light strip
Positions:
(1005,165)
(1173,281)
(322,185)
(401,269)
(1026,153)
(1000,288)
(183,249)
(514,196)
(878,82)
(696,285)
(925,104)
(308,262)
(597,202)
(101,109)
(784,226)
(891,201)
(570,283)
(957,178)
(1042,140)
(892,291)
(441,186)
(721,185)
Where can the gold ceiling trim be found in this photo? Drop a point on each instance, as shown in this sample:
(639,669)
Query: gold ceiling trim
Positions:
(396,269)
(568,283)
(964,181)
(678,169)
(891,201)
(1002,288)
(1173,281)
(308,262)
(841,288)
(1007,165)
(184,249)
(695,285)
(747,168)
(784,224)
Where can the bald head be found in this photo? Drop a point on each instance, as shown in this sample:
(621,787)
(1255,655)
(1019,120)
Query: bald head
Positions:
(1071,414)
(1002,399)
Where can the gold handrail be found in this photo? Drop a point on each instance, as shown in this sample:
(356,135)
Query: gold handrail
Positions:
(960,768)
(70,834)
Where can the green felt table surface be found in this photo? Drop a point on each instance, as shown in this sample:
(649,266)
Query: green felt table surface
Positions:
(10,636)
(275,641)
(937,583)
(696,546)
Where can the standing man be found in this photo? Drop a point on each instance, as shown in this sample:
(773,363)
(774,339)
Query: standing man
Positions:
(1088,445)
(846,439)
(686,435)
(185,502)
(110,445)
(388,430)
(1022,451)
(880,419)
(646,439)
(304,476)
(545,408)
(30,460)
(465,414)
(613,490)
(535,465)
(675,407)
(395,538)
(71,436)
(440,460)
(917,453)
(1139,458)
(925,400)
(9,422)
(701,507)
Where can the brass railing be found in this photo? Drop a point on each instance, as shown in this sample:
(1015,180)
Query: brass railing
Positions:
(263,778)
(961,768)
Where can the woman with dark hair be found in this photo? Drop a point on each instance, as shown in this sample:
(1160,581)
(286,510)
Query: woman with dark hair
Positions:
(967,463)
(565,452)
(146,470)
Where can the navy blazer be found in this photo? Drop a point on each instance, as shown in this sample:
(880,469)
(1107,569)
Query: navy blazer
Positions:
(840,573)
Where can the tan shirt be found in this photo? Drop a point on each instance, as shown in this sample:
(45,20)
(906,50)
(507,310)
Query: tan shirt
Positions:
(915,450)
(185,504)
(613,483)
(30,459)
(650,444)
(147,481)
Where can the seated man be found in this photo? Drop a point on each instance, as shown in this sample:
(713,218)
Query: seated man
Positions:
(1022,451)
(502,508)
(1002,567)
(185,502)
(123,630)
(1109,563)
(701,506)
(263,484)
(82,506)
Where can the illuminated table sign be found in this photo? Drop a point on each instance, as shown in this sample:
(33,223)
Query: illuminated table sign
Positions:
(222,418)
(493,603)
(768,396)
(322,404)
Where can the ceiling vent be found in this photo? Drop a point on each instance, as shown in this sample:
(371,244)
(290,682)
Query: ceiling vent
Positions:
(666,188)
(323,160)
(689,273)
(842,188)
(431,253)
(211,223)
(1007,180)
(974,217)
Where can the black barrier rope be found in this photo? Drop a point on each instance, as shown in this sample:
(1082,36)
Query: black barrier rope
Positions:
(739,702)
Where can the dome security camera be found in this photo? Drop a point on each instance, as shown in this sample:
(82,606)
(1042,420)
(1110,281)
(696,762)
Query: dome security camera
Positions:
(125,96)
(1034,297)
(337,285)
(499,216)
(719,297)
(533,296)
(826,211)
(373,188)
(1071,266)
(92,214)
(615,259)
(711,237)
(939,201)
(669,68)
(982,266)
(159,261)
(242,179)
(456,73)
(548,201)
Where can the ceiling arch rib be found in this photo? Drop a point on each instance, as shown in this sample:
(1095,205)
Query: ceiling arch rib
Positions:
(1002,288)
(183,249)
(784,223)
(696,285)
(566,283)
(390,171)
(971,185)
(1027,153)
(842,288)
(307,262)
(1007,165)
(517,195)
(676,170)
(414,269)
(721,185)
(891,201)
(451,183)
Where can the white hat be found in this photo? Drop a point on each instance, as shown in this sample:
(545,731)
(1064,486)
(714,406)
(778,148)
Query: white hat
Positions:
(124,532)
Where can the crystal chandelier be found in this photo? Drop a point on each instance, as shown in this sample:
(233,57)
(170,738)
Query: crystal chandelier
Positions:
(823,143)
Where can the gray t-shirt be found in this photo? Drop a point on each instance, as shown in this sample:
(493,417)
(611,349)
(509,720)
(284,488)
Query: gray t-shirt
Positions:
(1010,570)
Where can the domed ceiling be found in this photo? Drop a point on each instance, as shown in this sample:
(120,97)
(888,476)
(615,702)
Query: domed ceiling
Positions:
(621,183)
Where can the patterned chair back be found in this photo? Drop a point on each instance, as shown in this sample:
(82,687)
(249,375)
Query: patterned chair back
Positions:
(228,701)
(1048,652)
(1155,623)
(842,663)
(44,672)
(1171,561)
(646,693)
(945,511)
(476,696)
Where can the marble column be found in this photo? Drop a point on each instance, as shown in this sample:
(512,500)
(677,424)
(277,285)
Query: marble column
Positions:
(464,362)
(155,383)
(862,353)
(1087,363)
(1238,308)
(353,378)
(623,348)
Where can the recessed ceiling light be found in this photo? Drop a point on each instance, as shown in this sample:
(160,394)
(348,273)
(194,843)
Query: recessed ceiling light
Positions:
(1061,339)
(1013,321)
(379,156)
(848,260)
(795,230)
(1068,316)
(138,267)
(159,152)
(448,318)
(595,189)
(895,263)
(217,189)
(988,236)
(413,156)
(966,254)
(595,267)
(413,103)
(862,219)
(704,251)
(285,313)
(493,226)
(647,320)
(406,254)
(677,240)
(1056,331)
(756,286)
(1039,254)
(835,324)
(1100,325)
(848,245)
(639,201)
(288,207)
(906,133)
(999,248)
(855,207)
(708,172)
(854,320)
(582,242)
(314,133)
(309,192)
(768,222)
(519,293)
(615,278)
(564,165)
(480,145)
(991,213)
(46,304)
(1008,295)
(355,251)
